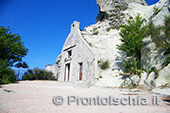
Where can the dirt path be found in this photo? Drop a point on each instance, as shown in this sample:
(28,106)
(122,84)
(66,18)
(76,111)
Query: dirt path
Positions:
(36,97)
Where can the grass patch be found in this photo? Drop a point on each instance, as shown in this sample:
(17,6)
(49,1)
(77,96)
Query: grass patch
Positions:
(155,71)
(100,76)
(90,44)
(95,32)
(156,10)
(113,15)
(108,29)
(125,8)
(165,86)
(104,65)
(94,29)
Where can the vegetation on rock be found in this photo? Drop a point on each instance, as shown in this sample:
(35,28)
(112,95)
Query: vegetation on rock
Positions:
(108,29)
(104,65)
(90,44)
(156,10)
(95,32)
(132,35)
(160,36)
(132,42)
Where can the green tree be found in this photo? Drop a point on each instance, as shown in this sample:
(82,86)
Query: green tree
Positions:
(38,74)
(132,35)
(7,75)
(12,49)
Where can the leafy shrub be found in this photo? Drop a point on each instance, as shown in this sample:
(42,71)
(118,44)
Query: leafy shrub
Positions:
(153,69)
(12,52)
(117,6)
(167,61)
(156,10)
(132,35)
(130,65)
(95,32)
(154,32)
(130,17)
(113,15)
(104,65)
(125,8)
(122,14)
(38,74)
(160,36)
(100,76)
(165,86)
(7,75)
(108,29)
(90,44)
(129,86)
(94,29)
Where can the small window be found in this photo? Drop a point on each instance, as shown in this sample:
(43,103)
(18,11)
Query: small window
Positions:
(81,71)
(69,53)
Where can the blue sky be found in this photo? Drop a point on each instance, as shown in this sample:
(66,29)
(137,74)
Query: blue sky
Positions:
(45,24)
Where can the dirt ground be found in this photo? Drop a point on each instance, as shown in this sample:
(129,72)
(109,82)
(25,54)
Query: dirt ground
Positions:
(37,97)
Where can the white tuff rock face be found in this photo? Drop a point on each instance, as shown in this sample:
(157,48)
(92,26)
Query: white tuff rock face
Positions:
(164,77)
(104,43)
(150,79)
(151,55)
(103,36)
(142,79)
(103,2)
(111,10)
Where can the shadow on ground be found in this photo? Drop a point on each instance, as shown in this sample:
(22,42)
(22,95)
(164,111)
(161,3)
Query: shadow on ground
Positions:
(166,99)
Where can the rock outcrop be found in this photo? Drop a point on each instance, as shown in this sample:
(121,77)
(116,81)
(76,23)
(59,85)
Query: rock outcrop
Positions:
(151,55)
(55,68)
(150,80)
(105,26)
(164,77)
(142,2)
(111,10)
(103,37)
